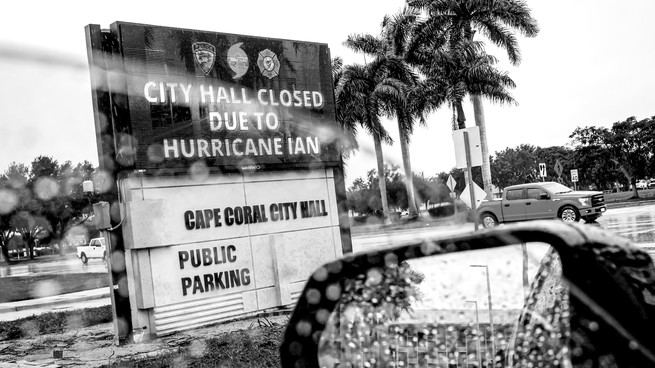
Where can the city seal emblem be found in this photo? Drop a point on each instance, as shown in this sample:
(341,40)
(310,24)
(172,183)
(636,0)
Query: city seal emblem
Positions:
(237,60)
(268,64)
(205,55)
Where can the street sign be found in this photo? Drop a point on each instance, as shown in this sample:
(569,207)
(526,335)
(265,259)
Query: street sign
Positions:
(558,168)
(479,193)
(574,175)
(475,148)
(451,183)
(542,169)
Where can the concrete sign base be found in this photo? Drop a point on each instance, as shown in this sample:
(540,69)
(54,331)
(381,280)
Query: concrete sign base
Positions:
(201,251)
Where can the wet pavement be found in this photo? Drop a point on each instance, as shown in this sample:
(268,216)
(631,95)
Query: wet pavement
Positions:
(636,223)
(54,265)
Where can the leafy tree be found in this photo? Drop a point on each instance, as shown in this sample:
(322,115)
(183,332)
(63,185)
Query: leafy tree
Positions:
(497,22)
(364,195)
(629,143)
(550,156)
(43,202)
(432,190)
(515,166)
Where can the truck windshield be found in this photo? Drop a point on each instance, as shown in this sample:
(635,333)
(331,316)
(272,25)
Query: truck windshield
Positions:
(556,188)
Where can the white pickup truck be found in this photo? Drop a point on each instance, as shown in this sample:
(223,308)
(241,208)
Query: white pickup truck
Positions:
(95,249)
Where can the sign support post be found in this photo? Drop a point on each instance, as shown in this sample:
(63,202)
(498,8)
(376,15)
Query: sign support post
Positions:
(103,223)
(470,183)
(574,178)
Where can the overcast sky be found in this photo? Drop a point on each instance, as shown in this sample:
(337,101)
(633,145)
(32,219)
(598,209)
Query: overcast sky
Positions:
(591,64)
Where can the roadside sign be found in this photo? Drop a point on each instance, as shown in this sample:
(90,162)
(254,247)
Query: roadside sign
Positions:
(451,183)
(542,169)
(558,168)
(479,193)
(475,148)
(574,175)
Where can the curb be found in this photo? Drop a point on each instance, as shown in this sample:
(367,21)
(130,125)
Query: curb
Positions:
(623,204)
(36,303)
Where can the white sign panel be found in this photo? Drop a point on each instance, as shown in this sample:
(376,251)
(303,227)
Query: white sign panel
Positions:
(451,183)
(480,195)
(574,175)
(229,245)
(542,169)
(475,148)
(196,271)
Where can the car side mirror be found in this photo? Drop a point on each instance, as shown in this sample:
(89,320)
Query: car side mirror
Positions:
(552,292)
(544,196)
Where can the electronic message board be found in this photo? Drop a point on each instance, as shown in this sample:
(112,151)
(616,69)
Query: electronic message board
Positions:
(230,101)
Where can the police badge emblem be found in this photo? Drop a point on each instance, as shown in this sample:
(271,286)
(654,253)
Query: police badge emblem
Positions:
(268,64)
(205,54)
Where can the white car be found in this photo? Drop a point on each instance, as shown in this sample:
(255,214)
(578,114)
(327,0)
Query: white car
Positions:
(95,249)
(642,184)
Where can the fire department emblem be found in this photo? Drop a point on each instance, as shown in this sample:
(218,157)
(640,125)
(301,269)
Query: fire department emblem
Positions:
(268,64)
(205,55)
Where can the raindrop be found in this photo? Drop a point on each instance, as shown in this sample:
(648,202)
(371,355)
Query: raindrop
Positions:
(391,260)
(593,326)
(46,288)
(8,201)
(313,296)
(156,153)
(46,188)
(304,328)
(102,181)
(321,274)
(322,316)
(199,171)
(117,262)
(374,277)
(333,292)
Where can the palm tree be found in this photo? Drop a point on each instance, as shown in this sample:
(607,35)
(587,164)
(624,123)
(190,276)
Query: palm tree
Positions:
(391,49)
(348,127)
(363,95)
(496,20)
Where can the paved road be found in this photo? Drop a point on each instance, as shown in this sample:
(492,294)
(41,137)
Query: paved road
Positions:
(54,265)
(636,223)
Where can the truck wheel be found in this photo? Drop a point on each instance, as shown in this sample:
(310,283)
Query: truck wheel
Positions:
(569,214)
(488,220)
(84,258)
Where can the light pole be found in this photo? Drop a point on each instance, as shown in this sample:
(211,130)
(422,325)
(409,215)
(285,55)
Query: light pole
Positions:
(477,327)
(491,318)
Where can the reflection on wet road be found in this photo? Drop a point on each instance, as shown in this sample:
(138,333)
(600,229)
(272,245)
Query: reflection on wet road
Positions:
(634,223)
(54,265)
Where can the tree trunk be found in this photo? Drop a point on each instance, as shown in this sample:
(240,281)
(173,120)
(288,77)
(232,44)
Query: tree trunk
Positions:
(461,118)
(5,254)
(478,113)
(381,179)
(409,176)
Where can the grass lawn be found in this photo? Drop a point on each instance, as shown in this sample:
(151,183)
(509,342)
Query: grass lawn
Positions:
(627,196)
(15,288)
